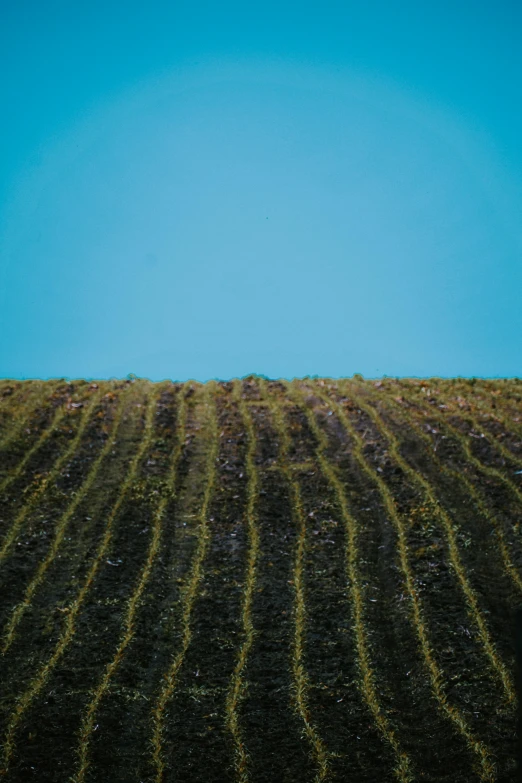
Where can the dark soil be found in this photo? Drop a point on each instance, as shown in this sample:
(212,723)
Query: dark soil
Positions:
(198,745)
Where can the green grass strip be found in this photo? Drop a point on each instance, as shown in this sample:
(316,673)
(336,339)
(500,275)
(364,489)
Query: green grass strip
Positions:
(486,769)
(89,717)
(61,528)
(52,474)
(39,680)
(366,683)
(190,591)
(237,686)
(301,683)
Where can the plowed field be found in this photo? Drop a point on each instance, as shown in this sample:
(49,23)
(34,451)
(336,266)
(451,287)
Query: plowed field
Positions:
(259,581)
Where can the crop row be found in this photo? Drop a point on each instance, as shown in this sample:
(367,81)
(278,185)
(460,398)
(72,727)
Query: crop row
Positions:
(414,448)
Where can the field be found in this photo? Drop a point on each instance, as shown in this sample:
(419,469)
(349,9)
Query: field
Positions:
(259,581)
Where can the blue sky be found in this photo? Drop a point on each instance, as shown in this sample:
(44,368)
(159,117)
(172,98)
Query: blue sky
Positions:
(206,190)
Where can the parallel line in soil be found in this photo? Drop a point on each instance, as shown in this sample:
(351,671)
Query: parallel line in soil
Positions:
(505,417)
(474,611)
(463,440)
(52,474)
(37,683)
(366,684)
(492,442)
(23,413)
(190,592)
(509,566)
(60,530)
(301,682)
(487,772)
(470,418)
(509,427)
(17,470)
(499,413)
(500,417)
(237,686)
(87,724)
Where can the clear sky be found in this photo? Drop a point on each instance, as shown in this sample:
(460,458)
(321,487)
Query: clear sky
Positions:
(212,189)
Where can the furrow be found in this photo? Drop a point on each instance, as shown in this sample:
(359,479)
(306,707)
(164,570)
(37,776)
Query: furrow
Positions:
(272,727)
(60,530)
(88,721)
(57,418)
(496,413)
(35,399)
(52,474)
(237,684)
(477,496)
(15,475)
(463,440)
(301,681)
(403,769)
(189,596)
(455,559)
(36,684)
(125,713)
(486,768)
(195,716)
(495,403)
(469,417)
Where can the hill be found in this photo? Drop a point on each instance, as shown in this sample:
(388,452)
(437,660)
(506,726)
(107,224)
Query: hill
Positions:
(259,581)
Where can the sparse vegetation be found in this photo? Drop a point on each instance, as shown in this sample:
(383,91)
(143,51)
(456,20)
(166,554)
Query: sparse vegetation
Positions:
(257,581)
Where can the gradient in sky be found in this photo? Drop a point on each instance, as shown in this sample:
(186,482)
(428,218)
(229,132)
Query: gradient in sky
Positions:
(206,190)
